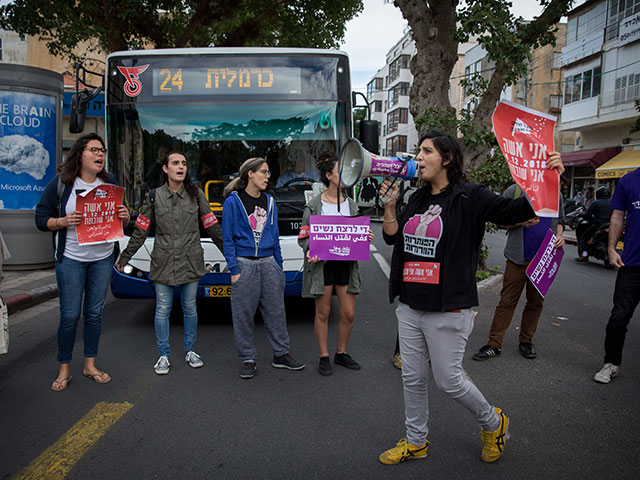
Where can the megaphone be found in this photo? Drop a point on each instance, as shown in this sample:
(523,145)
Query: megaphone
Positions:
(355,163)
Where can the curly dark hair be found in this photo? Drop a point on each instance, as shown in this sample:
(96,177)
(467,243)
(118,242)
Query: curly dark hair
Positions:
(189,186)
(325,164)
(70,168)
(449,149)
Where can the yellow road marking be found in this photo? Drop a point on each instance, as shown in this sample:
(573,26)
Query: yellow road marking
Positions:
(58,460)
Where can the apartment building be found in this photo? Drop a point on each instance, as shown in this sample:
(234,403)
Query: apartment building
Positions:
(388,95)
(601,64)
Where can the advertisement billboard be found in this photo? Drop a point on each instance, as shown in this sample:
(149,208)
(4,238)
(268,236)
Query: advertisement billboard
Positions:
(27,147)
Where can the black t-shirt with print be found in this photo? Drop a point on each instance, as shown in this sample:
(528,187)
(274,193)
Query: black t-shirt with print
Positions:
(423,250)
(256,209)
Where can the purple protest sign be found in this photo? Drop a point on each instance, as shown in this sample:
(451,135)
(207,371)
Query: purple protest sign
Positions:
(332,237)
(545,265)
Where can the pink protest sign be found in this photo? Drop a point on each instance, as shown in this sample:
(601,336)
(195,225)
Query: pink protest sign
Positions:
(100,222)
(545,265)
(332,237)
(525,137)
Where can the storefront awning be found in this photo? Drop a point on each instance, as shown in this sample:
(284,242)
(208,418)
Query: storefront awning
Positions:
(622,163)
(593,158)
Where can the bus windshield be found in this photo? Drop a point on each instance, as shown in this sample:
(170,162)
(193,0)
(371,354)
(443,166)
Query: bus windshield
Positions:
(217,133)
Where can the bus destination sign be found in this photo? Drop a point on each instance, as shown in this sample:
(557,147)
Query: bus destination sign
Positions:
(226,81)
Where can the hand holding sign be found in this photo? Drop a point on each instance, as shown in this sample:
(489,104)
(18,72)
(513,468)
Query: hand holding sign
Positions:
(525,137)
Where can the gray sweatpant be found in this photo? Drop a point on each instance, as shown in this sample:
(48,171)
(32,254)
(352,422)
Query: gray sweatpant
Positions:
(261,284)
(442,338)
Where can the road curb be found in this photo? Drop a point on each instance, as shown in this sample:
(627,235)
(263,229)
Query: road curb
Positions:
(35,296)
(490,282)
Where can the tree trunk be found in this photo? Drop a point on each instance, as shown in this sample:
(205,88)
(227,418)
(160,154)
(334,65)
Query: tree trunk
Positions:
(433,27)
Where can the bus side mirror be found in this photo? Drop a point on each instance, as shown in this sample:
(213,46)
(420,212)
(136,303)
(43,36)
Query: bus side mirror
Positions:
(369,135)
(78,113)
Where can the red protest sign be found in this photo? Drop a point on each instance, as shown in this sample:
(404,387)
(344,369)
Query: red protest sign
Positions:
(525,137)
(100,222)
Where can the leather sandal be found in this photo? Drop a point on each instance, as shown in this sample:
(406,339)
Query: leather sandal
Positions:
(100,377)
(60,385)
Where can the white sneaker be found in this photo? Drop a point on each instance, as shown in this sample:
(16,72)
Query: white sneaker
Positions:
(162,365)
(193,359)
(607,373)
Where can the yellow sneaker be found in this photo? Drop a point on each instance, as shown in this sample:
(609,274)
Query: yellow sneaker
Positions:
(403,451)
(493,443)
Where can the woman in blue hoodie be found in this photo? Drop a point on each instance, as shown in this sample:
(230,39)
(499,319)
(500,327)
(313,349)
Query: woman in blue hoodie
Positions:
(251,242)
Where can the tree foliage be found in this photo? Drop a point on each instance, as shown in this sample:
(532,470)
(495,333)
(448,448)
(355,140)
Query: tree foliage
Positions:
(438,26)
(134,24)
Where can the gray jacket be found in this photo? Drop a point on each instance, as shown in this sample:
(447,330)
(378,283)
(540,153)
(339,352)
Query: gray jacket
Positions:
(313,274)
(177,255)
(514,249)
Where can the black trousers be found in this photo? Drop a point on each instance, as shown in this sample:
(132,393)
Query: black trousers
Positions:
(625,300)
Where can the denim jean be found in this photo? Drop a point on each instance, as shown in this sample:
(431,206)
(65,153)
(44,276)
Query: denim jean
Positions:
(626,297)
(164,301)
(439,337)
(77,280)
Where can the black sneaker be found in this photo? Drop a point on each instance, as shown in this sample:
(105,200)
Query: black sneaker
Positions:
(527,350)
(248,370)
(486,352)
(345,360)
(287,361)
(324,368)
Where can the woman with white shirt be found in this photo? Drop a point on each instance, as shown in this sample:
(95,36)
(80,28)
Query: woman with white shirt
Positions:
(322,278)
(82,271)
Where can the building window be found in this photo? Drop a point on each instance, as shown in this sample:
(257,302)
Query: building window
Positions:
(401,89)
(376,106)
(619,10)
(23,38)
(399,63)
(582,86)
(396,144)
(555,103)
(627,88)
(398,116)
(374,85)
(591,21)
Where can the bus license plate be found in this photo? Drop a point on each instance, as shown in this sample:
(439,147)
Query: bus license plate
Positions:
(218,291)
(619,246)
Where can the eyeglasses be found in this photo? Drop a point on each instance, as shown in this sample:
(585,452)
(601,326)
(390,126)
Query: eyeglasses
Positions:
(96,150)
(265,171)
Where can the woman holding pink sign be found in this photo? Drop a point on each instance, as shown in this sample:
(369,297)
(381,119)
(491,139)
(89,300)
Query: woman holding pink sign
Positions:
(82,271)
(321,278)
(436,242)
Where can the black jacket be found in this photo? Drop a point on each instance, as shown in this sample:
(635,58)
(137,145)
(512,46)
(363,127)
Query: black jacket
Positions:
(468,209)
(599,212)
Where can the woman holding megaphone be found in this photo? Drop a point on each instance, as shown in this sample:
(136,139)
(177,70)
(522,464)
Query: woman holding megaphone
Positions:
(321,278)
(436,242)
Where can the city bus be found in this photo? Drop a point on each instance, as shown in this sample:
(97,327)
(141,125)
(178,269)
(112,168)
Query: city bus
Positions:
(221,106)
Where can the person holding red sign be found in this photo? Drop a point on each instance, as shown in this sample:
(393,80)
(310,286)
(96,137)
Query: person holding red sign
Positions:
(436,242)
(82,271)
(177,261)
(321,278)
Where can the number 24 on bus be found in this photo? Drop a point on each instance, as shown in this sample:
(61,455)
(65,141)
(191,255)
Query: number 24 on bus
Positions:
(263,76)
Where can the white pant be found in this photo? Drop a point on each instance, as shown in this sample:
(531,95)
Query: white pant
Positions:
(442,338)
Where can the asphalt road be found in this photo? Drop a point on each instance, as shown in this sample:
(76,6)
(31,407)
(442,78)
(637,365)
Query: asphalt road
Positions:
(208,423)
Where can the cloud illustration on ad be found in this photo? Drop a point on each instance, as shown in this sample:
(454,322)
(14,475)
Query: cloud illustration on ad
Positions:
(22,154)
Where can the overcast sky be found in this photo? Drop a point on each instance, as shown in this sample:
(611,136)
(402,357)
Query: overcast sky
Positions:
(380,26)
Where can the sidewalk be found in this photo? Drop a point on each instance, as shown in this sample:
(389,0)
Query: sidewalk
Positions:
(25,288)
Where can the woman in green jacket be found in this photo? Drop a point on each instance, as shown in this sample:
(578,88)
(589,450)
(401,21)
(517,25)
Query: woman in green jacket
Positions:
(321,278)
(177,259)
